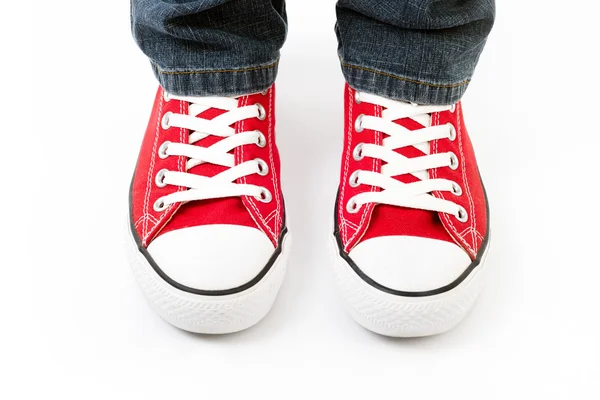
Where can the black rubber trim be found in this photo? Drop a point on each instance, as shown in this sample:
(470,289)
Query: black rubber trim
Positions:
(432,292)
(187,289)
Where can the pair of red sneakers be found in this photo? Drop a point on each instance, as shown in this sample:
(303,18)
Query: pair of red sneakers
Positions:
(209,241)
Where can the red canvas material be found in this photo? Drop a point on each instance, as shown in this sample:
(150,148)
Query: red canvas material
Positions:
(384,220)
(245,211)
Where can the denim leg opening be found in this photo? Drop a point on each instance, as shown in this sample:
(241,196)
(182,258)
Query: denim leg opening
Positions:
(421,51)
(217,82)
(211,47)
(403,88)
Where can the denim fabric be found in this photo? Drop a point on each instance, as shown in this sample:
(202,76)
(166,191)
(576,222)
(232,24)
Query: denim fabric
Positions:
(423,51)
(211,47)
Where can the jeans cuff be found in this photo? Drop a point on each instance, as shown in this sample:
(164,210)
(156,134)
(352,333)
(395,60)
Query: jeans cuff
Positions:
(217,82)
(402,88)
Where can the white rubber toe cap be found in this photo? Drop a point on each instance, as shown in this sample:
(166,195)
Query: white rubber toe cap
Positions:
(212,257)
(410,264)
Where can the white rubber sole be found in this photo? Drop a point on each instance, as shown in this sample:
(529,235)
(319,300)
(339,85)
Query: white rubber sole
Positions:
(209,314)
(399,316)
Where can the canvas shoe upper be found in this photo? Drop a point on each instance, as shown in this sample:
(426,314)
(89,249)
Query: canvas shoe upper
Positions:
(206,206)
(411,214)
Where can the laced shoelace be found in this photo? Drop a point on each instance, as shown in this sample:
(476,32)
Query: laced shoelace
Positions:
(394,192)
(223,184)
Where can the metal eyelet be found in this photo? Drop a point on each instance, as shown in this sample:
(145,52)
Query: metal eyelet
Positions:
(462,215)
(166,96)
(165,120)
(456,189)
(262,113)
(162,150)
(352,206)
(160,178)
(263,168)
(160,205)
(358,125)
(262,140)
(353,181)
(357,154)
(357,97)
(265,196)
(453,108)
(452,136)
(453,161)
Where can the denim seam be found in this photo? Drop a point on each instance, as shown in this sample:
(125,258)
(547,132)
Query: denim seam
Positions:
(400,78)
(216,71)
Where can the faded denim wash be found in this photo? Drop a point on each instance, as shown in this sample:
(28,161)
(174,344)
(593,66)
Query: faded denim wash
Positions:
(423,51)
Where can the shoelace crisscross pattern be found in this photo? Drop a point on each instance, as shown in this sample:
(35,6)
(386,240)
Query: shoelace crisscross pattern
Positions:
(223,184)
(394,192)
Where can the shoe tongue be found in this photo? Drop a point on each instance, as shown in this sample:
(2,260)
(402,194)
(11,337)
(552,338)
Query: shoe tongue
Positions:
(409,123)
(207,169)
(418,150)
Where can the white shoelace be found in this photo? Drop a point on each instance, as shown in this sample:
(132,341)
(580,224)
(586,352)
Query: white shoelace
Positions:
(393,192)
(223,184)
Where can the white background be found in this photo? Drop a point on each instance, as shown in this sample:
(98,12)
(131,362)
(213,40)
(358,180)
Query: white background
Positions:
(76,95)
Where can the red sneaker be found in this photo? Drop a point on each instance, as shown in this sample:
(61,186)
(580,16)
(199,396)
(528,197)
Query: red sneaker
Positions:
(411,221)
(209,243)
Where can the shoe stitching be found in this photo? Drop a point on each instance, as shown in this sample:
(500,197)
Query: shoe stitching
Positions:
(167,211)
(243,179)
(465,231)
(239,157)
(479,235)
(271,215)
(352,224)
(367,212)
(151,168)
(164,213)
(275,182)
(444,216)
(180,163)
(472,232)
(341,206)
(473,222)
(140,219)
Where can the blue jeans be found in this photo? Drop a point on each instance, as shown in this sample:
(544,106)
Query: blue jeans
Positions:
(422,51)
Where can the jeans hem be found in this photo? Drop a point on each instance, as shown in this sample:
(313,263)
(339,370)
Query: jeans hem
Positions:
(217,82)
(402,88)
